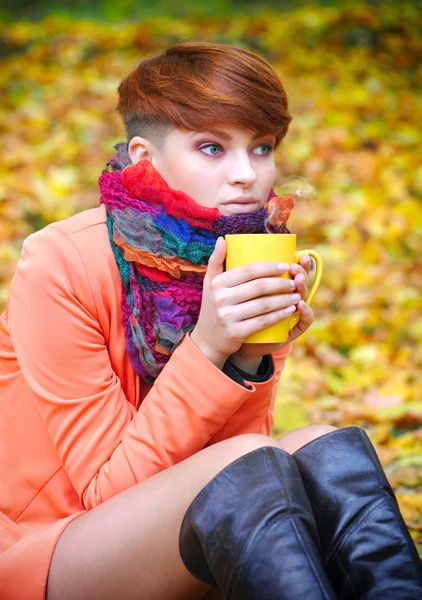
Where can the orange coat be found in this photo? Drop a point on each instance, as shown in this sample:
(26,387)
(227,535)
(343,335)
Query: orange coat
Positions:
(76,425)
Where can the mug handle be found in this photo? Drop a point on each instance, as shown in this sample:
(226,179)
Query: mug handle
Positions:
(318,274)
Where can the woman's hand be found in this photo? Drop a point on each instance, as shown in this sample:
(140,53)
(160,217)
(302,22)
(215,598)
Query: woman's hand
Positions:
(248,357)
(238,303)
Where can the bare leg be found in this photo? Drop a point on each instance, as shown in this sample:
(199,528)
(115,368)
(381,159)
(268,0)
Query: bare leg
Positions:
(127,547)
(293,440)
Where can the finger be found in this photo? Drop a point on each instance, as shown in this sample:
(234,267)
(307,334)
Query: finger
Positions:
(251,326)
(262,306)
(252,271)
(256,288)
(301,283)
(305,262)
(216,260)
(295,269)
(305,321)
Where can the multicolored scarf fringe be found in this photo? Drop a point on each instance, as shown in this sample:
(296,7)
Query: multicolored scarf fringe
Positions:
(162,241)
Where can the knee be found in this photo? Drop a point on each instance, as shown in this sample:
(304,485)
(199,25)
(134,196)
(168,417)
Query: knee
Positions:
(293,440)
(248,442)
(232,448)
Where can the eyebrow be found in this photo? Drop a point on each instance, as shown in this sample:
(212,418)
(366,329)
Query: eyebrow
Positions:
(226,136)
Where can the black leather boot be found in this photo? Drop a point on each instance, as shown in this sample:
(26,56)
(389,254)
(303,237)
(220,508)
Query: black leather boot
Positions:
(250,532)
(368,551)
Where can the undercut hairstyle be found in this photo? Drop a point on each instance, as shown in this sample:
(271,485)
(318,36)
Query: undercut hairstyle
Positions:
(197,85)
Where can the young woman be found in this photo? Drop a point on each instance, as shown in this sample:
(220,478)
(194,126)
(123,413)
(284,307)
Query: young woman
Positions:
(135,455)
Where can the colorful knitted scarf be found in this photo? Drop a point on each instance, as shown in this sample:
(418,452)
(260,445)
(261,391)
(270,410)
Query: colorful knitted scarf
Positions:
(162,240)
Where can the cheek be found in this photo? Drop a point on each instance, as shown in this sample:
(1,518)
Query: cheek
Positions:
(203,185)
(174,170)
(189,176)
(267,176)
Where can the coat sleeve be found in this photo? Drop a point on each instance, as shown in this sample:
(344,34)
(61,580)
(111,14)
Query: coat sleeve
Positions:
(102,441)
(279,359)
(255,415)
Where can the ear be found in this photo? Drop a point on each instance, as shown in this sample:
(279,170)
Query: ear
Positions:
(139,149)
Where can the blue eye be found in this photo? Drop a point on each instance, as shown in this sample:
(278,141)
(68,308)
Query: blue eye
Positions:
(214,149)
(266,149)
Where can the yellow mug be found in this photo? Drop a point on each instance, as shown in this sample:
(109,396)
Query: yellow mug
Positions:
(246,248)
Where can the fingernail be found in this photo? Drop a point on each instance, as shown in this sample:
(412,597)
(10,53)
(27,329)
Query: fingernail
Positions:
(290,310)
(283,267)
(295,297)
(292,284)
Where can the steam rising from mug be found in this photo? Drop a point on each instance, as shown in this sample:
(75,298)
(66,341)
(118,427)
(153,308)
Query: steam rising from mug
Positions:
(280,207)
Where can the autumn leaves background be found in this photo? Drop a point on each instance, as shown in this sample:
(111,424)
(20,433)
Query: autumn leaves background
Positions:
(353,73)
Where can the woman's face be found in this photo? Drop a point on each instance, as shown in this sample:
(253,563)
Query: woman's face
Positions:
(228,167)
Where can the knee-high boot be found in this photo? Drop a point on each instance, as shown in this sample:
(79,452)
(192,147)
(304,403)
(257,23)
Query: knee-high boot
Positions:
(250,532)
(368,551)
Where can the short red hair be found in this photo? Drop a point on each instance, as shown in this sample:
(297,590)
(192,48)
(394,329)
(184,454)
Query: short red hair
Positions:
(195,85)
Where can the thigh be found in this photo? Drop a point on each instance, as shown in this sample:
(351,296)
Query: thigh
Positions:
(295,439)
(127,547)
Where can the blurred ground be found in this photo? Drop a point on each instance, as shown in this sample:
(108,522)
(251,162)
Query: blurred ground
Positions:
(353,78)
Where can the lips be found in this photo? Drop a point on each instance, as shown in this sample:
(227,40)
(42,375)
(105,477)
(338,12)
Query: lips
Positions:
(242,205)
(240,208)
(242,200)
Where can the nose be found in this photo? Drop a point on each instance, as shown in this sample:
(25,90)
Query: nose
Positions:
(241,171)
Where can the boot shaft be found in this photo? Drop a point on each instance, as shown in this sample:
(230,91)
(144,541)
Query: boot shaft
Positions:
(367,549)
(251,532)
